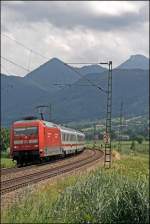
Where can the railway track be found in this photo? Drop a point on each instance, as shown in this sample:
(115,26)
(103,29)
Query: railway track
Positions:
(5,171)
(22,181)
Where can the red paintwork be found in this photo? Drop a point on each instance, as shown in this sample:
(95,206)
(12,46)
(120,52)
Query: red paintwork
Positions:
(48,137)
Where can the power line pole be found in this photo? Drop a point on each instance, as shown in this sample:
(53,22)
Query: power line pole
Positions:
(107,156)
(120,128)
(94,135)
(107,135)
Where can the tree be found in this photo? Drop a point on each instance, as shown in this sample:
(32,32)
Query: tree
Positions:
(4,139)
(132,147)
(139,139)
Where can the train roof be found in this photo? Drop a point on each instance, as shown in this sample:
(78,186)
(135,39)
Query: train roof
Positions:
(50,124)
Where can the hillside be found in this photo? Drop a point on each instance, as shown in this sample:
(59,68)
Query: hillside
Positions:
(18,97)
(87,102)
(135,62)
(55,71)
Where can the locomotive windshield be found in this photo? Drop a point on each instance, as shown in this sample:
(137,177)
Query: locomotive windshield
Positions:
(26,131)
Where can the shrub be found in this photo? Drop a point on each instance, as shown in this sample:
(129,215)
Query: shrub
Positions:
(139,139)
(4,139)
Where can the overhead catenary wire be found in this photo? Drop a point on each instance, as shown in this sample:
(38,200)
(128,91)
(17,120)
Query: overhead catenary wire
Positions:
(69,84)
(21,44)
(81,75)
(14,63)
(67,64)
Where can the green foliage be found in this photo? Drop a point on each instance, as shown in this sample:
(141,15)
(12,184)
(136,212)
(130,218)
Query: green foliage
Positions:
(139,139)
(7,163)
(4,139)
(132,147)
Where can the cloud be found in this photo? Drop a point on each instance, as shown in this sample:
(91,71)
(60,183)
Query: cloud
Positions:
(73,31)
(94,15)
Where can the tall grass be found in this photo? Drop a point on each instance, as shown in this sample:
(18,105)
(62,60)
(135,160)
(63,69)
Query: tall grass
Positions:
(104,199)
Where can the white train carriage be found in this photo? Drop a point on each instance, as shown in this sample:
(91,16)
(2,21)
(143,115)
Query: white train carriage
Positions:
(72,141)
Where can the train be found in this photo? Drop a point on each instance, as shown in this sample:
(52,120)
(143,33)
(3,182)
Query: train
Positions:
(38,140)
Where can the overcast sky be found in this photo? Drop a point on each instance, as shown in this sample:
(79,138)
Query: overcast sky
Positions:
(75,31)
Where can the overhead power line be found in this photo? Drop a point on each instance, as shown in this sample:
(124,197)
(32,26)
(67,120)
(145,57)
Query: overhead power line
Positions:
(21,44)
(81,75)
(12,62)
(67,64)
(69,84)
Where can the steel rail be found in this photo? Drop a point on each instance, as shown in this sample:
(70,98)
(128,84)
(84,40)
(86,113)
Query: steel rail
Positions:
(11,185)
(5,171)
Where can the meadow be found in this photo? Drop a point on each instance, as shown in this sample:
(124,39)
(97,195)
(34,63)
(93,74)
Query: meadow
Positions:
(116,195)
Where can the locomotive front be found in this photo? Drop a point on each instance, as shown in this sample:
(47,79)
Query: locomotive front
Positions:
(24,141)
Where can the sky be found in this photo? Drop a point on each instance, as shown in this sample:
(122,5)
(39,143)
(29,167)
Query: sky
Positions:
(73,31)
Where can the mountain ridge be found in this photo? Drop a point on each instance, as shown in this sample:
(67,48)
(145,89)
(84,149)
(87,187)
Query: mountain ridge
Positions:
(135,61)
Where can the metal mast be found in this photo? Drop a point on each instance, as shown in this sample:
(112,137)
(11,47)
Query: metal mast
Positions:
(94,135)
(107,156)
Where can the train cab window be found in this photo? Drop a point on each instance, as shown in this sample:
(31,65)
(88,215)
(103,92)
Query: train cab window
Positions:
(26,131)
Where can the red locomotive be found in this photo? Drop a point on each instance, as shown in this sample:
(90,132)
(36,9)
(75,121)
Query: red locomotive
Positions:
(38,139)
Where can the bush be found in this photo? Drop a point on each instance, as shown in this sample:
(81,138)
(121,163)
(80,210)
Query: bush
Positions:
(139,139)
(4,139)
(132,147)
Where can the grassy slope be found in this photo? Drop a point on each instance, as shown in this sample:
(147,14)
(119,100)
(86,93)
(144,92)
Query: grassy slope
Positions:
(94,197)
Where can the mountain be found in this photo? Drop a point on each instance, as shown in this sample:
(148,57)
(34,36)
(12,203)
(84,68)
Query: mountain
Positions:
(135,61)
(18,97)
(88,102)
(90,69)
(80,100)
(57,72)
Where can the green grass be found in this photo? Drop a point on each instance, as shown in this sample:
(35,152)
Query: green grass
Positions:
(117,195)
(7,163)
(139,148)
